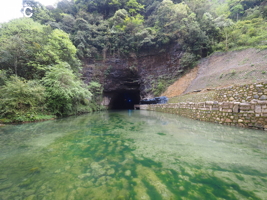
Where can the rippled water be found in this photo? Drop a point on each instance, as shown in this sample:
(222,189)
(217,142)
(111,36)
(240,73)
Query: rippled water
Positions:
(131,155)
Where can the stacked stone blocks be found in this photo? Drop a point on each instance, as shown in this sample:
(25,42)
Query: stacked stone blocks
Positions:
(233,109)
(243,93)
(250,115)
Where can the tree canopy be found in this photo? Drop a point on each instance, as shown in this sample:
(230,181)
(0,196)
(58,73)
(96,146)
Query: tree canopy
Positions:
(28,49)
(122,26)
(39,73)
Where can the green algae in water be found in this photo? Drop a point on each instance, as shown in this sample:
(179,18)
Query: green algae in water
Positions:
(161,133)
(111,155)
(151,190)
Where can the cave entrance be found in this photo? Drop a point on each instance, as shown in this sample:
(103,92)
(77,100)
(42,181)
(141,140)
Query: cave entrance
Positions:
(124,99)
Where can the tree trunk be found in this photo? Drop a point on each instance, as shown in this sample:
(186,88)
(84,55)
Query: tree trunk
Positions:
(16,65)
(105,53)
(226,41)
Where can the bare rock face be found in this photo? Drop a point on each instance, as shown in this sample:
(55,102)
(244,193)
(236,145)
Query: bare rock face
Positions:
(122,75)
(154,67)
(134,75)
(135,72)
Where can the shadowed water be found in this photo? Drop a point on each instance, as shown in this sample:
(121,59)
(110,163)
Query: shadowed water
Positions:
(131,155)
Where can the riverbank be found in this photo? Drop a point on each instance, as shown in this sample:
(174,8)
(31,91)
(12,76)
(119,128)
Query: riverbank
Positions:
(39,118)
(228,88)
(26,119)
(247,115)
(238,105)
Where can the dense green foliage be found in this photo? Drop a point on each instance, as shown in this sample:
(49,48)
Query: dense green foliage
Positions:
(43,54)
(64,91)
(21,100)
(244,34)
(39,73)
(118,27)
(28,49)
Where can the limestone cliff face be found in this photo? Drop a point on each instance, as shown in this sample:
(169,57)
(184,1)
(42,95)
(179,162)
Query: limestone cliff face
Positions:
(135,72)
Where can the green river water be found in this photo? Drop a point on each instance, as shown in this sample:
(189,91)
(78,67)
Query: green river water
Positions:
(127,155)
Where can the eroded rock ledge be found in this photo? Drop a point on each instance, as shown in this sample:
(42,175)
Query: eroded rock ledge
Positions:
(140,72)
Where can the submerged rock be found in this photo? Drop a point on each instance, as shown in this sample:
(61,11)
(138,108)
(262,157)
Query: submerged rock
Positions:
(81,190)
(25,183)
(29,192)
(5,186)
(128,173)
(3,177)
(88,184)
(111,171)
(101,181)
(57,171)
(72,195)
(95,165)
(181,188)
(97,170)
(82,176)
(32,197)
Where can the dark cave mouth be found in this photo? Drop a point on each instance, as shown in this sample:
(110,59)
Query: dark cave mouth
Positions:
(124,100)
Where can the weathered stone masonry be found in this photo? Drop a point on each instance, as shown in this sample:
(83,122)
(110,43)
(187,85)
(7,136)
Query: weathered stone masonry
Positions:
(251,114)
(243,93)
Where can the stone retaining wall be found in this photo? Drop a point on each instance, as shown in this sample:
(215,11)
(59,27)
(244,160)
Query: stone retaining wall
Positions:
(239,105)
(245,93)
(249,115)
